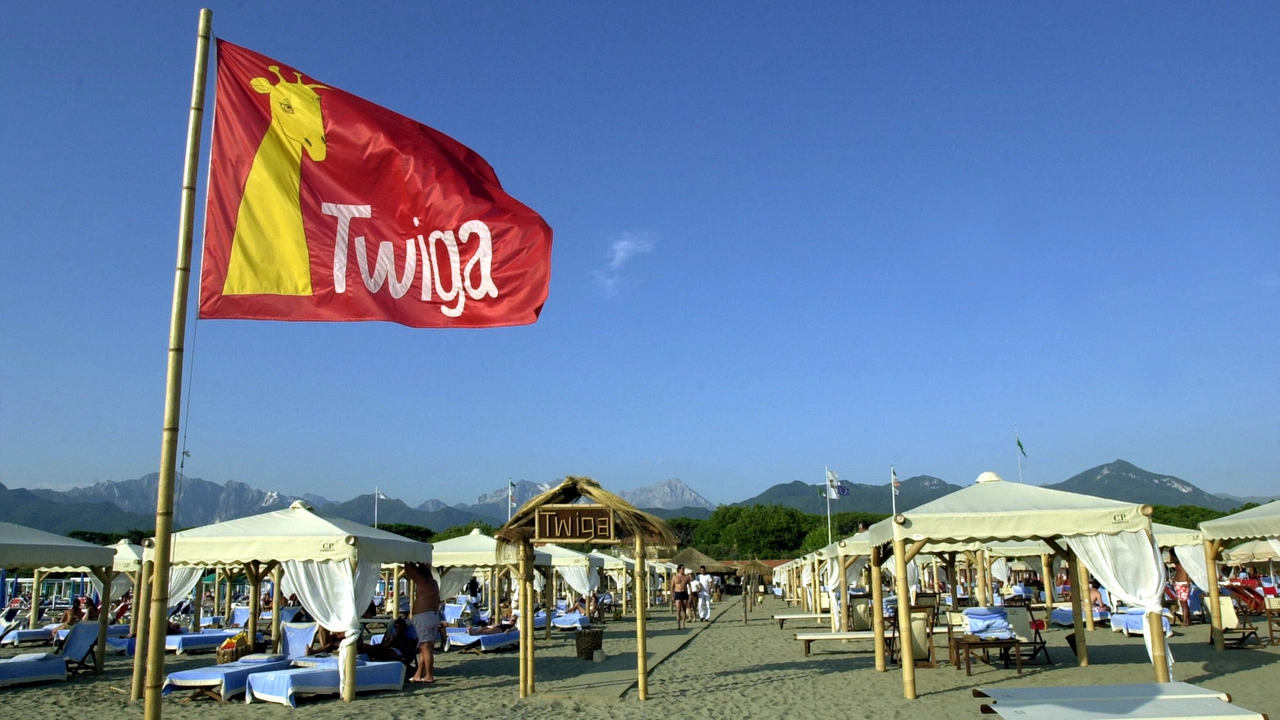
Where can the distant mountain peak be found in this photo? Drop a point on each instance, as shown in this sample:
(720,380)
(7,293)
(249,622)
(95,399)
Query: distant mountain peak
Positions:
(670,494)
(1122,480)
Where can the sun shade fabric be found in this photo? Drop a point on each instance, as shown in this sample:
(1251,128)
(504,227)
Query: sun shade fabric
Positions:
(295,533)
(453,579)
(1254,551)
(479,550)
(27,549)
(1168,536)
(1256,523)
(1192,559)
(1009,511)
(1130,567)
(335,594)
(182,580)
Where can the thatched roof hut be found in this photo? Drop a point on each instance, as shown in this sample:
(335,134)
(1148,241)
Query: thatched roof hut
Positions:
(692,559)
(630,521)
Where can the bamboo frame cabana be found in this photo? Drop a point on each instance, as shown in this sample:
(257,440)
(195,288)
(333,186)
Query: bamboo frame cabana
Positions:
(640,526)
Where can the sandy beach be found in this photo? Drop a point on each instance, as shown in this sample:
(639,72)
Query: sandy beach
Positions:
(727,670)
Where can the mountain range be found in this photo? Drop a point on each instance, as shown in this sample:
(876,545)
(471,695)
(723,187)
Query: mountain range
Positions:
(117,506)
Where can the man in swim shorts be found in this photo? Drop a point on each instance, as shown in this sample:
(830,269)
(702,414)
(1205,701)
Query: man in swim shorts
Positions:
(680,594)
(425,617)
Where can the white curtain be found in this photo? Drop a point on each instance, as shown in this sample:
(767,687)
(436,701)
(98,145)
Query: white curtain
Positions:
(335,595)
(579,578)
(913,575)
(182,580)
(1129,565)
(1192,559)
(452,580)
(806,576)
(119,584)
(539,581)
(1000,570)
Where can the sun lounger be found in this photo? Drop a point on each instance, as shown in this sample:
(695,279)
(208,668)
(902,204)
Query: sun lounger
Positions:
(1062,616)
(223,682)
(31,668)
(571,621)
(1027,628)
(283,686)
(453,613)
(205,641)
(810,638)
(1191,708)
(800,616)
(39,636)
(1085,693)
(462,640)
(1236,630)
(113,631)
(1133,621)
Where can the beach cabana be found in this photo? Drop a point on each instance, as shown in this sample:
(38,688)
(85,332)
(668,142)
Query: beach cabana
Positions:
(331,563)
(1260,523)
(25,548)
(541,517)
(1109,537)
(458,559)
(1252,552)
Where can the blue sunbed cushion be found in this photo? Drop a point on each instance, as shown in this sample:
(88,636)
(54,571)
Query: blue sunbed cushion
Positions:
(28,657)
(261,658)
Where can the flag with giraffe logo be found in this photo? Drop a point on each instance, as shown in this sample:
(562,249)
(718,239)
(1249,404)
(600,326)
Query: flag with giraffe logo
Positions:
(324,206)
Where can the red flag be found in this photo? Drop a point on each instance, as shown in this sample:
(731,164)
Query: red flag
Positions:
(324,206)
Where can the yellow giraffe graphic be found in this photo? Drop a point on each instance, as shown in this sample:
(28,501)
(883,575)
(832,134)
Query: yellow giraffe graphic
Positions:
(269,249)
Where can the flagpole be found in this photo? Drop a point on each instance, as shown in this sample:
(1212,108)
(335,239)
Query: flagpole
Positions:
(511,498)
(826,478)
(375,506)
(159,619)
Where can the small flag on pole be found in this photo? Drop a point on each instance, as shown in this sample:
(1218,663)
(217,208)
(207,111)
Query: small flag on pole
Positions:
(1020,448)
(511,493)
(893,476)
(833,486)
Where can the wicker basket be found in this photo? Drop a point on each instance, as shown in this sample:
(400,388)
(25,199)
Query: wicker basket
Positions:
(239,647)
(589,640)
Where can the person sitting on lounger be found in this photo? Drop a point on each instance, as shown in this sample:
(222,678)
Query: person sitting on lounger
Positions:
(506,623)
(328,642)
(399,643)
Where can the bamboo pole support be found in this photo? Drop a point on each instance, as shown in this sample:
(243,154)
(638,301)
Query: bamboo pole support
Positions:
(1082,573)
(1159,649)
(346,652)
(198,605)
(1046,575)
(33,613)
(906,656)
(141,605)
(1211,548)
(105,576)
(1077,612)
(254,573)
(642,641)
(173,382)
(136,579)
(276,598)
(877,608)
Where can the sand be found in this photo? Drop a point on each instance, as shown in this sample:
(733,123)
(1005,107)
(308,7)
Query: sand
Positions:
(725,670)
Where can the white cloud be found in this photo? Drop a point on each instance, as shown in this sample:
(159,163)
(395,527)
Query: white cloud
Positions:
(621,250)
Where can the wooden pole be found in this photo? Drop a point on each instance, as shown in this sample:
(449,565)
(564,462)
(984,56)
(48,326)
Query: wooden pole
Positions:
(1159,650)
(642,641)
(198,605)
(347,651)
(526,618)
(952,578)
(104,576)
(136,579)
(1211,548)
(1046,575)
(1077,612)
(253,571)
(1082,573)
(33,614)
(906,655)
(276,598)
(877,608)
(173,383)
(142,604)
(842,591)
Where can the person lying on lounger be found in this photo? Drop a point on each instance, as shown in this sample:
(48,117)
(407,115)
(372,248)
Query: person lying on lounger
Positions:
(399,643)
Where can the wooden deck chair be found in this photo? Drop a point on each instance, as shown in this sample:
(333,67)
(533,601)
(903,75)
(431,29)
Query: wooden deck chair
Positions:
(1236,629)
(957,626)
(920,644)
(1273,617)
(1027,628)
(860,612)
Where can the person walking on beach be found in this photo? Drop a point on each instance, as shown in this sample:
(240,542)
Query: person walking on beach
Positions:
(704,594)
(680,594)
(425,616)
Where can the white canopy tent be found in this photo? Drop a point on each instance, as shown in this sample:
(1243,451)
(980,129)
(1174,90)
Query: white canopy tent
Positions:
(578,570)
(1188,547)
(333,564)
(458,559)
(25,548)
(1111,538)
(1251,552)
(1260,523)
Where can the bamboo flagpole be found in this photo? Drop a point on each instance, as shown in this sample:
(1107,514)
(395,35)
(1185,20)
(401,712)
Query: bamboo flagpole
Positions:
(173,383)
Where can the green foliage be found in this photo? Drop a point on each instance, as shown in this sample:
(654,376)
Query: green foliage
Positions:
(1183,516)
(135,536)
(413,532)
(460,530)
(761,531)
(685,528)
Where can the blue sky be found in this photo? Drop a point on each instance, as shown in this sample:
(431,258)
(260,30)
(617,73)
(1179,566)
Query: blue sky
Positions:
(786,237)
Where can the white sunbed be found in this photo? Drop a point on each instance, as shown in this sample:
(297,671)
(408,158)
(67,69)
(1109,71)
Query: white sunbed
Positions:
(809,638)
(1182,708)
(782,618)
(1076,693)
(223,682)
(76,655)
(461,639)
(283,686)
